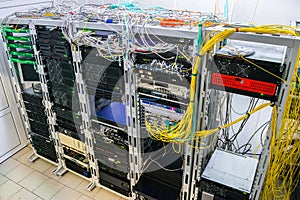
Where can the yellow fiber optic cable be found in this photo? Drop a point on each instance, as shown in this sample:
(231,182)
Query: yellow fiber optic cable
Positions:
(205,133)
(182,132)
(261,68)
(283,171)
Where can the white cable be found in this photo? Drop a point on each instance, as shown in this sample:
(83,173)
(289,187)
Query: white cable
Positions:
(232,9)
(254,11)
(174,6)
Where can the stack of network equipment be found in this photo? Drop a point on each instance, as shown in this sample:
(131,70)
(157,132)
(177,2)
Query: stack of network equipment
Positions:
(111,152)
(233,72)
(21,54)
(163,83)
(56,53)
(159,183)
(227,176)
(105,85)
(40,135)
(75,154)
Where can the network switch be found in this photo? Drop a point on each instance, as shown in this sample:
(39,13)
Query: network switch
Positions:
(161,184)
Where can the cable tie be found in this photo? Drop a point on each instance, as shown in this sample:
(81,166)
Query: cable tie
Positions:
(194,74)
(219,128)
(197,54)
(236,29)
(248,115)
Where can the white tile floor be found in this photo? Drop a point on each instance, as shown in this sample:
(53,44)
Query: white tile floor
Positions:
(23,180)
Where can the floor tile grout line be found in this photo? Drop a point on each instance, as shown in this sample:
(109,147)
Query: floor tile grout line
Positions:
(56,193)
(34,170)
(28,174)
(54,178)
(16,190)
(13,156)
(22,187)
(32,192)
(49,177)
(40,184)
(4,182)
(12,168)
(28,191)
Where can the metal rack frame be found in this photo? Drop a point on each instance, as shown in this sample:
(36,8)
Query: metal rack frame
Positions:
(46,99)
(62,169)
(18,91)
(194,158)
(292,45)
(85,104)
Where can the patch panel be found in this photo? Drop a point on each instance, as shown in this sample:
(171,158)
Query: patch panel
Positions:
(19,42)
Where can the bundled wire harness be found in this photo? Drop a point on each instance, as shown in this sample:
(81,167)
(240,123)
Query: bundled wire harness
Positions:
(183,131)
(283,173)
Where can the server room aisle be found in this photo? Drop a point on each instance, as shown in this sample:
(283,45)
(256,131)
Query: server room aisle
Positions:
(23,180)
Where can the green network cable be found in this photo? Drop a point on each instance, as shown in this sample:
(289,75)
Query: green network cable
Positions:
(18,38)
(29,62)
(12,30)
(21,46)
(21,54)
(88,30)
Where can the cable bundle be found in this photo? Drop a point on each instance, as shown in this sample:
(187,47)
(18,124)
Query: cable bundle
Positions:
(283,173)
(184,130)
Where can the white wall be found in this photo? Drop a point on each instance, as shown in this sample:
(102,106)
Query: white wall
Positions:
(240,104)
(267,12)
(199,5)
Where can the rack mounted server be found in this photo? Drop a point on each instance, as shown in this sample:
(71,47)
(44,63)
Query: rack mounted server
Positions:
(91,115)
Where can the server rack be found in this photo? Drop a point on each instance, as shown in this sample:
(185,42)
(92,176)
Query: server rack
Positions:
(55,53)
(54,62)
(194,159)
(288,62)
(20,47)
(162,97)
